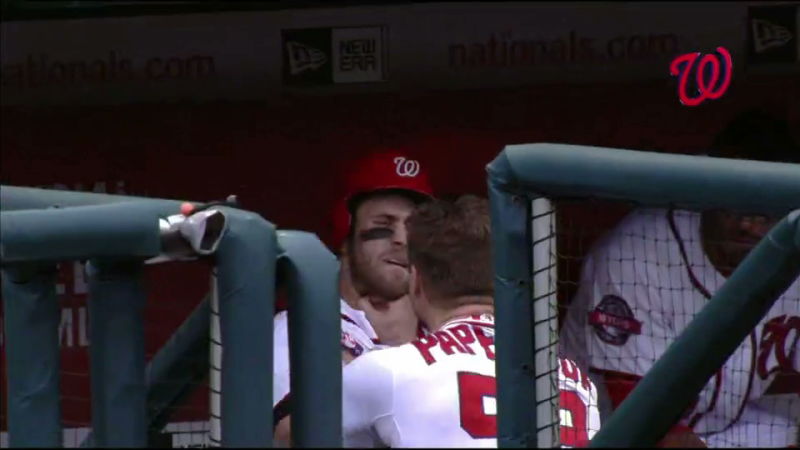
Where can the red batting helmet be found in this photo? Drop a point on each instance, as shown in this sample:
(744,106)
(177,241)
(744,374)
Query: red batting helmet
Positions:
(384,171)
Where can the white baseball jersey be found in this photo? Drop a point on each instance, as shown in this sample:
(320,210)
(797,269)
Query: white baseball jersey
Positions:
(440,391)
(640,287)
(358,337)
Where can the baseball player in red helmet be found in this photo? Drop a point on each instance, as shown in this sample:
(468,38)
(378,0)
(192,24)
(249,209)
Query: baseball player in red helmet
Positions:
(379,192)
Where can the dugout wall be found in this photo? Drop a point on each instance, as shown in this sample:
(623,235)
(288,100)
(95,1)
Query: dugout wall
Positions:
(144,149)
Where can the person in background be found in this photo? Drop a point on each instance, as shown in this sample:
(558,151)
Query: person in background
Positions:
(650,276)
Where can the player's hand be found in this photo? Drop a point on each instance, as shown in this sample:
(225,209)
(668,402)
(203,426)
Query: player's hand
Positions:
(394,322)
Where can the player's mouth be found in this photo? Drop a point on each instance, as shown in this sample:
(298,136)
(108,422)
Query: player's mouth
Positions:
(396,262)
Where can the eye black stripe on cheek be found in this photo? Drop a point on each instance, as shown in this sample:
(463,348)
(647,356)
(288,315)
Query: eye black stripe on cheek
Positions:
(376,233)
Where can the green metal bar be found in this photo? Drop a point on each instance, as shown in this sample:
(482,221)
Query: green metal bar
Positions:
(245,267)
(117,359)
(81,232)
(32,356)
(514,338)
(657,179)
(14,198)
(675,379)
(178,366)
(312,273)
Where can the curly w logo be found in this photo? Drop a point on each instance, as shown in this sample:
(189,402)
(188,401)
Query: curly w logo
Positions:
(778,353)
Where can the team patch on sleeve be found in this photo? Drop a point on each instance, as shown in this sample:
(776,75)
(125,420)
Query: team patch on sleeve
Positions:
(613,320)
(351,344)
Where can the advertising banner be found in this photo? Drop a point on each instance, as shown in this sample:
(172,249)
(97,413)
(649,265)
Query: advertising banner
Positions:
(367,49)
(334,55)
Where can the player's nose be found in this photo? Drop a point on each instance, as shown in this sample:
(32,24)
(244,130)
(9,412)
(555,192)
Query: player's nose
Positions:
(400,236)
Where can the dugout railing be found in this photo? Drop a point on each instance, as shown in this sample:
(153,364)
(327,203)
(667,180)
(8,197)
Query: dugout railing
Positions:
(117,234)
(522,182)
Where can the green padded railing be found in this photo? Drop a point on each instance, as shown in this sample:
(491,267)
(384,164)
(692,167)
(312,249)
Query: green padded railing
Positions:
(522,173)
(117,234)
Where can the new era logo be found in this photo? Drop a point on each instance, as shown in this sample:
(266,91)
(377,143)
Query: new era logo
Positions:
(324,56)
(772,35)
(303,57)
(767,35)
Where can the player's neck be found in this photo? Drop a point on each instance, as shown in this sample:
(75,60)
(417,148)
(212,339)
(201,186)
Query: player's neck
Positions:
(713,251)
(348,294)
(439,317)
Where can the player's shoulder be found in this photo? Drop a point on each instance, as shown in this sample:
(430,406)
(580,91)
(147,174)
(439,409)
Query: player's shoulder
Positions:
(404,353)
(386,360)
(401,357)
(635,232)
(641,220)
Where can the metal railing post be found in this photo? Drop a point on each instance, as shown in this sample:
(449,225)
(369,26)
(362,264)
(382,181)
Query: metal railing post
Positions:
(32,356)
(245,270)
(117,359)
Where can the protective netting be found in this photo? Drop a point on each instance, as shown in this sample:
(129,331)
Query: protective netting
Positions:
(631,278)
(562,413)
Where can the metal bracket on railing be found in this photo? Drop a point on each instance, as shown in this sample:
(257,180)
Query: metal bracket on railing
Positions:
(187,237)
(196,231)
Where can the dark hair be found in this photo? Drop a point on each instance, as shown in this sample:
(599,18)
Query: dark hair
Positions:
(756,135)
(450,245)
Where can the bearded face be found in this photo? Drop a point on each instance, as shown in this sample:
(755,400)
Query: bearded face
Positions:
(729,237)
(377,251)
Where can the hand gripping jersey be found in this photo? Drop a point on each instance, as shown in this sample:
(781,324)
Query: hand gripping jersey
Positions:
(358,337)
(640,287)
(440,391)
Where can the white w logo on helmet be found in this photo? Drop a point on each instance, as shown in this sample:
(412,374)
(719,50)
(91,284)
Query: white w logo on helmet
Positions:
(406,167)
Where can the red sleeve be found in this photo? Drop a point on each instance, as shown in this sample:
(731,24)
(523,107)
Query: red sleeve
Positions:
(620,384)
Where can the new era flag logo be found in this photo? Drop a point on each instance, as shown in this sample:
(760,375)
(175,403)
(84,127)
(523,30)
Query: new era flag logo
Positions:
(767,35)
(324,56)
(772,35)
(303,57)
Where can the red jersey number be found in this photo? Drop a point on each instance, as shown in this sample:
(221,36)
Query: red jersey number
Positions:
(473,388)
(573,420)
